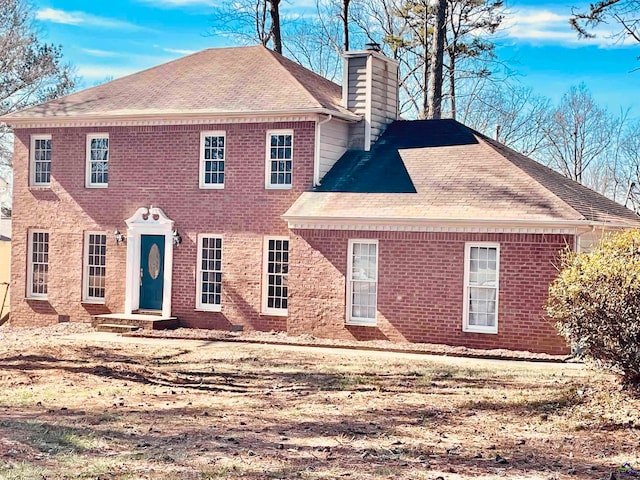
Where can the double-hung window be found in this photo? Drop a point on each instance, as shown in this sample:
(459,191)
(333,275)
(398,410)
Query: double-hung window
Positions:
(362,282)
(279,165)
(212,155)
(40,160)
(38,268)
(481,287)
(95,267)
(209,273)
(275,290)
(97,169)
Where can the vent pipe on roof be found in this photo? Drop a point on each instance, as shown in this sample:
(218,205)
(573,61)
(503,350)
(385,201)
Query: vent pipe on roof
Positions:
(373,47)
(497,132)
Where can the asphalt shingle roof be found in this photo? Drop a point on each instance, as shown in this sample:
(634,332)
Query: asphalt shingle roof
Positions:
(443,170)
(241,80)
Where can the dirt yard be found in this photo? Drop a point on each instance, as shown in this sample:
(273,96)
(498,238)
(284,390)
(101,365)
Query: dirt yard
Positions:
(175,409)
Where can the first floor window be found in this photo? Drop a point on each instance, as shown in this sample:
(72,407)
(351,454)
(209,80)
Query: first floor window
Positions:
(276,271)
(95,261)
(38,281)
(97,160)
(209,289)
(362,282)
(279,166)
(212,154)
(40,160)
(481,286)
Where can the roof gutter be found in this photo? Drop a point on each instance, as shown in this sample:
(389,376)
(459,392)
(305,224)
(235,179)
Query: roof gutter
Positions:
(316,160)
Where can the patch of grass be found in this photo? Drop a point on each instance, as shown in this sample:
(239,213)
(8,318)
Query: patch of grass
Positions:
(22,471)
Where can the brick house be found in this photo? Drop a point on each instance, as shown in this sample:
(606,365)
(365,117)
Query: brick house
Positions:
(234,188)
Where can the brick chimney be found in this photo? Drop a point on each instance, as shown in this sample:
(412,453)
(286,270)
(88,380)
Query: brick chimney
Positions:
(370,89)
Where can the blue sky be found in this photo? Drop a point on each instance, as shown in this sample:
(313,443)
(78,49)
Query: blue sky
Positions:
(111,39)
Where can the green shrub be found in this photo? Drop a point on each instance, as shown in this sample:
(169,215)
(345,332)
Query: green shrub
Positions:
(596,302)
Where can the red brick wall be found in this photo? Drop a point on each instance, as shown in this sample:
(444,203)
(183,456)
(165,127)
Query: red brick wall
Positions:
(420,290)
(155,165)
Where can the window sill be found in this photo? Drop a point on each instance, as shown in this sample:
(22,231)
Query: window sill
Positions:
(217,186)
(275,313)
(40,187)
(217,308)
(93,302)
(40,299)
(361,323)
(490,331)
(278,187)
(97,185)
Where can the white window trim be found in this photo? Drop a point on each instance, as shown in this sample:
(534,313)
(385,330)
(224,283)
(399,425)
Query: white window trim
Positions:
(87,177)
(211,133)
(267,163)
(85,270)
(358,321)
(30,293)
(465,306)
(32,160)
(278,312)
(206,307)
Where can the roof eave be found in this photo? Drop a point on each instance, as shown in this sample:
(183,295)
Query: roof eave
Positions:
(17,121)
(409,222)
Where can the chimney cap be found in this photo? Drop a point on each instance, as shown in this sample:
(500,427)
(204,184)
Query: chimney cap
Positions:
(373,46)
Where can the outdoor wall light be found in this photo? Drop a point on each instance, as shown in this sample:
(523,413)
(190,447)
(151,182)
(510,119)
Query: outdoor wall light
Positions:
(177,239)
(119,237)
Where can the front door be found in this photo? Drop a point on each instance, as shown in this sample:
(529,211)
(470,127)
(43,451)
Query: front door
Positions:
(151,271)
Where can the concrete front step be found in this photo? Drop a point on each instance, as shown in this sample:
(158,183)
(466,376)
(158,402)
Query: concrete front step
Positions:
(115,328)
(144,321)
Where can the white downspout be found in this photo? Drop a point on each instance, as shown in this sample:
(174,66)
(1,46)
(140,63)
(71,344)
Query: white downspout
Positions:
(316,161)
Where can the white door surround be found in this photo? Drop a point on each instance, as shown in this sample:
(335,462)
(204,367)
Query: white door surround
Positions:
(147,221)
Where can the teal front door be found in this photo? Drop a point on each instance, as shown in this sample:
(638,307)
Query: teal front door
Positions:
(151,271)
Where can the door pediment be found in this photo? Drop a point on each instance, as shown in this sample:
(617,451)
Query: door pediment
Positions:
(152,217)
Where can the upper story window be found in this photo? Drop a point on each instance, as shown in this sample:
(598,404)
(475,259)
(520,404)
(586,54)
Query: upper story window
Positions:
(362,282)
(40,160)
(279,166)
(481,287)
(97,160)
(212,153)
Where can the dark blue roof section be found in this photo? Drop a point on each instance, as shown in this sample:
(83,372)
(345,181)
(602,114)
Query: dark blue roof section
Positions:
(381,170)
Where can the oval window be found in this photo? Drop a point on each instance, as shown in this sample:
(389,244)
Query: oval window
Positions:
(154,261)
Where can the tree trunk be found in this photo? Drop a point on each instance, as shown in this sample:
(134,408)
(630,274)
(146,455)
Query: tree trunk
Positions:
(426,70)
(345,23)
(452,80)
(275,25)
(435,83)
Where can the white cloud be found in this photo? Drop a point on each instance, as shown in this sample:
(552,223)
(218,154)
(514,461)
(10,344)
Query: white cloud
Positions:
(179,51)
(101,53)
(180,3)
(91,73)
(82,19)
(547,26)
(58,16)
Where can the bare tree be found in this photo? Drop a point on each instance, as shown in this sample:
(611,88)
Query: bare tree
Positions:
(30,72)
(578,133)
(249,21)
(626,13)
(510,113)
